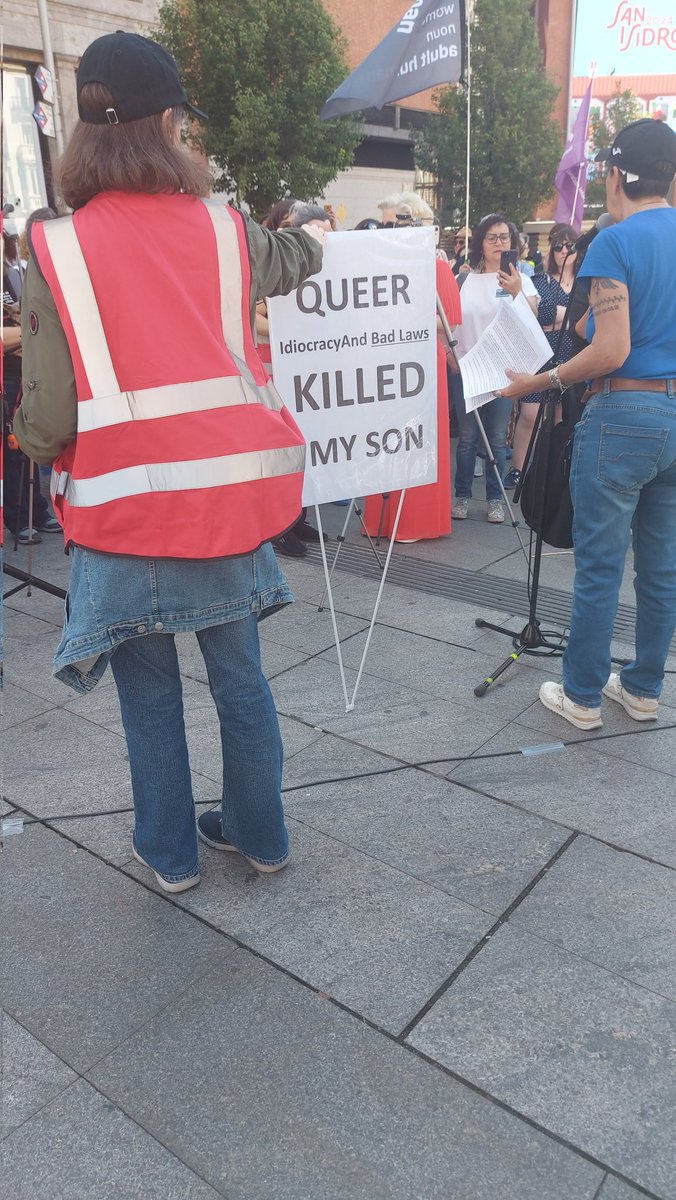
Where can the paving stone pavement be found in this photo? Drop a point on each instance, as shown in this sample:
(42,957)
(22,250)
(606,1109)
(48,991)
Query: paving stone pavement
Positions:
(463,987)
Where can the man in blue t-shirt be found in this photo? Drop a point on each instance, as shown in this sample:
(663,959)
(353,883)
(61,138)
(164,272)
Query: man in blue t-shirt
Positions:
(623,470)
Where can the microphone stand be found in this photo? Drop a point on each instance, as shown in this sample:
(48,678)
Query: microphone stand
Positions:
(531,639)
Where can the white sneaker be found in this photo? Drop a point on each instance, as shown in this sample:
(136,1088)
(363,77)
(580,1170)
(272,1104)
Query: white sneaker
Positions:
(641,708)
(459,510)
(496,513)
(555,699)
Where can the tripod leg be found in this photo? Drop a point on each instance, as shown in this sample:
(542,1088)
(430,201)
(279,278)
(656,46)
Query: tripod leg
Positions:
(481,624)
(482,688)
(381,519)
(31,507)
(490,461)
(360,514)
(340,539)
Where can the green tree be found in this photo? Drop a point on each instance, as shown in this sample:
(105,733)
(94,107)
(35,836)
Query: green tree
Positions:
(515,142)
(620,111)
(262,70)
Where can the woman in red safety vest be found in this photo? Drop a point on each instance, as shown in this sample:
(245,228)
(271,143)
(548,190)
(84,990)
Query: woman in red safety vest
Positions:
(174,460)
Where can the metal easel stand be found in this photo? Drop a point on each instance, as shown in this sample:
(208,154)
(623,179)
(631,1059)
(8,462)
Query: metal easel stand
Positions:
(353,507)
(27,580)
(490,460)
(350,700)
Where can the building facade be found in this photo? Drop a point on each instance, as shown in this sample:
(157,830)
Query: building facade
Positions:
(28,152)
(627,40)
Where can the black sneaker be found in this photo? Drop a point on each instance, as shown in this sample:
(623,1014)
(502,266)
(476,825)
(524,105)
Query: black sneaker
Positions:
(168,885)
(307,533)
(209,831)
(50,525)
(512,477)
(290,546)
(28,537)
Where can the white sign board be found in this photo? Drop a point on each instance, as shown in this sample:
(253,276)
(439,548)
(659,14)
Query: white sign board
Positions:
(354,359)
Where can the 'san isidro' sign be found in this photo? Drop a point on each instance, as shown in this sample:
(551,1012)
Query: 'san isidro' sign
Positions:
(354,359)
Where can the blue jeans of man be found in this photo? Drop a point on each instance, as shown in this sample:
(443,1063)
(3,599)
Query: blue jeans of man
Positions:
(623,478)
(495,419)
(147,676)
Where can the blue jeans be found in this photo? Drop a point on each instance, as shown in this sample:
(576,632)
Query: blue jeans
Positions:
(149,687)
(623,474)
(495,419)
(115,597)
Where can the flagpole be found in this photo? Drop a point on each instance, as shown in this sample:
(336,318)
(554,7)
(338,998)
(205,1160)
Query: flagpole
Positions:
(469,6)
(577,193)
(583,166)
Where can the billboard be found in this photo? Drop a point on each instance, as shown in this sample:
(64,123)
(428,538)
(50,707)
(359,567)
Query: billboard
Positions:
(625,39)
(626,46)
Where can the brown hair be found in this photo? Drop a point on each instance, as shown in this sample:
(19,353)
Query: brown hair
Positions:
(559,233)
(476,250)
(135,156)
(278,217)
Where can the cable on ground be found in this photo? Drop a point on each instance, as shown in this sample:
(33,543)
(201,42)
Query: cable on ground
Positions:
(10,825)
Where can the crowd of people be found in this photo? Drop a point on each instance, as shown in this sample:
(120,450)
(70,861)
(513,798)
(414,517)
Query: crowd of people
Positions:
(25,510)
(177,467)
(472,268)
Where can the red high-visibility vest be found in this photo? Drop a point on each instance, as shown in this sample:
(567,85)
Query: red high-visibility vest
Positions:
(184,448)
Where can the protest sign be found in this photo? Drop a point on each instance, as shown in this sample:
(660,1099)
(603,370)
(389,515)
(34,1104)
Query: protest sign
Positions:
(354,359)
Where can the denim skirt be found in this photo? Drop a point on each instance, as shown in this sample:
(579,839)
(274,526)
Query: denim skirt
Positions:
(112,597)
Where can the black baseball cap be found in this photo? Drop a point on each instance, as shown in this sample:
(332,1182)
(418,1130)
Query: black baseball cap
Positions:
(639,147)
(141,76)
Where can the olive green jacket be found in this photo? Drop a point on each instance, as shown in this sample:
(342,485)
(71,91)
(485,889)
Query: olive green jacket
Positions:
(46,420)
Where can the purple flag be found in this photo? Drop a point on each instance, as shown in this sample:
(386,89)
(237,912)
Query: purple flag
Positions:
(423,50)
(570,180)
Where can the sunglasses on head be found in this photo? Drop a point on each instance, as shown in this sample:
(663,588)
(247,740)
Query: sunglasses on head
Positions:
(558,246)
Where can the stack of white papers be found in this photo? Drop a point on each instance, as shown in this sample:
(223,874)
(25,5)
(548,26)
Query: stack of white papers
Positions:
(514,341)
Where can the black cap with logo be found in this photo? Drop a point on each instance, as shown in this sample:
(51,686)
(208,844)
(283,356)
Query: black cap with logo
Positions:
(640,147)
(141,76)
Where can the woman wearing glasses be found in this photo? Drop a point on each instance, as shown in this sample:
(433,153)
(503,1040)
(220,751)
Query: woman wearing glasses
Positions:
(554,286)
(483,288)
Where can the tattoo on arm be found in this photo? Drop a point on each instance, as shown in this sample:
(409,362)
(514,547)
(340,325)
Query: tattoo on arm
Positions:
(609,302)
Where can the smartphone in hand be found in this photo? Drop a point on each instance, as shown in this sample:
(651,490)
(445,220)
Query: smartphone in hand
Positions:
(506,258)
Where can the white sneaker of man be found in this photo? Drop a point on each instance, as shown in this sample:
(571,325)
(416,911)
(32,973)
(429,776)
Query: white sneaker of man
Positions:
(641,708)
(555,699)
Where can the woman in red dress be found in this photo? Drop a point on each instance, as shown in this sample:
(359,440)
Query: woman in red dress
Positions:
(426,511)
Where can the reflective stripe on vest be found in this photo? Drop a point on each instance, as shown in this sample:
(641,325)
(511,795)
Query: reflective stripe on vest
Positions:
(78,293)
(178,476)
(109,406)
(172,400)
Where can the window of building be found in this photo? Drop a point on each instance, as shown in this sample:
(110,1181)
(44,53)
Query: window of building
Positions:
(23,175)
